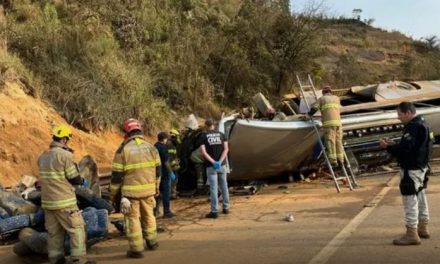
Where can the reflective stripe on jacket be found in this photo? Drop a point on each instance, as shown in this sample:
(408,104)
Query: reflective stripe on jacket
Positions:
(330,107)
(56,167)
(172,154)
(134,169)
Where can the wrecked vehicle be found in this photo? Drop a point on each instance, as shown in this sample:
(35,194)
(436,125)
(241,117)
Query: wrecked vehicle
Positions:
(260,149)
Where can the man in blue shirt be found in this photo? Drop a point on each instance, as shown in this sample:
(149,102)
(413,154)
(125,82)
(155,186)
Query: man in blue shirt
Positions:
(167,175)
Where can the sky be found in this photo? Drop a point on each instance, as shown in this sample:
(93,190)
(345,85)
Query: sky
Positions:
(414,18)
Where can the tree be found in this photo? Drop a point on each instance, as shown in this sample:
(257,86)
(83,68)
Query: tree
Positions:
(370,21)
(357,13)
(283,5)
(292,45)
(432,42)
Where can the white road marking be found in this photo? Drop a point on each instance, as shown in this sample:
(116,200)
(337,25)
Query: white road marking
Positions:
(325,254)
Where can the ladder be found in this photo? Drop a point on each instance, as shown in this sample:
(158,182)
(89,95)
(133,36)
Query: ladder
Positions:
(351,180)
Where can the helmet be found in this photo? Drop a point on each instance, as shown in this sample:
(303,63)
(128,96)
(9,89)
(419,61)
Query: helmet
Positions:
(62,131)
(327,89)
(174,132)
(132,124)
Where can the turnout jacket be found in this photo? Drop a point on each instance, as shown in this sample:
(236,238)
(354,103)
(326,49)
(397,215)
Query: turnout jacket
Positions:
(58,172)
(415,147)
(330,107)
(134,169)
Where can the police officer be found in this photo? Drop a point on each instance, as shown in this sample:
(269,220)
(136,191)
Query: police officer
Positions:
(58,175)
(136,178)
(215,150)
(330,107)
(413,153)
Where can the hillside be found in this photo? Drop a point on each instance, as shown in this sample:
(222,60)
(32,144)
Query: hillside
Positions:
(145,58)
(93,64)
(25,132)
(354,53)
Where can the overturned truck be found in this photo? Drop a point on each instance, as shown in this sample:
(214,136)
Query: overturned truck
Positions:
(264,148)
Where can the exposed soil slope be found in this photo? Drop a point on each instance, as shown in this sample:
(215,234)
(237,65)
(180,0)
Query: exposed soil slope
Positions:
(25,131)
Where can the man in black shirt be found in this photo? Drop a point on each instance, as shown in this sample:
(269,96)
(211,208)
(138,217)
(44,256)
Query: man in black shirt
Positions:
(167,175)
(215,149)
(413,153)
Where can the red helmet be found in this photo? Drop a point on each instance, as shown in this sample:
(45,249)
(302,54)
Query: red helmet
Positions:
(132,124)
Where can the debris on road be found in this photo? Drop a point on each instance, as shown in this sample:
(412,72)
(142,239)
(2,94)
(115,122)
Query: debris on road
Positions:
(289,218)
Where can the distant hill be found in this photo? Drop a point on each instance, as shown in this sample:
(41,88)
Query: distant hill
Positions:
(94,63)
(354,53)
(99,62)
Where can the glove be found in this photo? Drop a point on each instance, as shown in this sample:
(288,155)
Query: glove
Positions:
(217,165)
(85,183)
(125,206)
(172,176)
(25,193)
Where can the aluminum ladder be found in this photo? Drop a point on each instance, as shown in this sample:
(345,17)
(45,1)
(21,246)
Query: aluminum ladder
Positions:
(351,180)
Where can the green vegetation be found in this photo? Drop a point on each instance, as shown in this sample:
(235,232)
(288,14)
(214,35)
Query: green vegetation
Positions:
(99,62)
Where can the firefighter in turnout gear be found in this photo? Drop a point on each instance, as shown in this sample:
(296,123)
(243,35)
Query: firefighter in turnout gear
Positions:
(135,183)
(413,153)
(330,107)
(173,153)
(58,175)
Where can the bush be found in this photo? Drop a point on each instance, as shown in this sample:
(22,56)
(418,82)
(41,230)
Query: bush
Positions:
(84,72)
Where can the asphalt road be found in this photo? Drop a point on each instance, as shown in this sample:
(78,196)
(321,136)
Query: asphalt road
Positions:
(351,227)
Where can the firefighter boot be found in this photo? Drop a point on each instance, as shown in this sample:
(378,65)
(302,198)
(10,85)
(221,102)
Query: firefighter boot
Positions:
(410,238)
(151,245)
(422,229)
(135,254)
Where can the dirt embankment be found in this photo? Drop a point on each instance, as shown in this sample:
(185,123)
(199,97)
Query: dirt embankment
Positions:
(25,131)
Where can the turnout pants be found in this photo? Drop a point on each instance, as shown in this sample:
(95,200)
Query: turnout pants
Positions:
(140,223)
(416,205)
(58,222)
(333,144)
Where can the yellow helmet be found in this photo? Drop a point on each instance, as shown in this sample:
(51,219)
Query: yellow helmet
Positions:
(62,131)
(174,132)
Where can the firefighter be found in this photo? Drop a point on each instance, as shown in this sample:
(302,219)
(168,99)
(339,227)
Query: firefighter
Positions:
(330,107)
(173,153)
(58,175)
(413,153)
(135,179)
(192,175)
